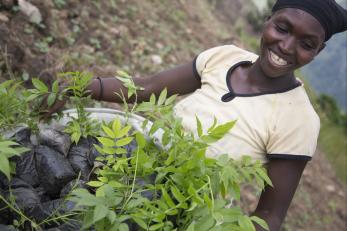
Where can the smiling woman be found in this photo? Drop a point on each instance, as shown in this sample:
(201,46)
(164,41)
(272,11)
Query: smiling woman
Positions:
(276,122)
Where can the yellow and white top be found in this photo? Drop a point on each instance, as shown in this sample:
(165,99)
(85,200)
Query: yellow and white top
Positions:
(269,125)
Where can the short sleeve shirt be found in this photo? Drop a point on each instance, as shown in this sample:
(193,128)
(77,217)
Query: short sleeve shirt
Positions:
(270,125)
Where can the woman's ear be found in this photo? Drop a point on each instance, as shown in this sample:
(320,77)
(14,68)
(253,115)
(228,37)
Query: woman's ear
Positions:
(268,18)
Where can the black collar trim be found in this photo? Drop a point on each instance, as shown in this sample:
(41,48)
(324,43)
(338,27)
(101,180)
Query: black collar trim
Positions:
(231,94)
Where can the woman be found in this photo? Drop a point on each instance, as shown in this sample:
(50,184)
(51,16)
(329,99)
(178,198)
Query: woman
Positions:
(276,123)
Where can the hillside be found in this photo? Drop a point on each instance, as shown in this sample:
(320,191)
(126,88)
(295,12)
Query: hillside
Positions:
(144,37)
(327,73)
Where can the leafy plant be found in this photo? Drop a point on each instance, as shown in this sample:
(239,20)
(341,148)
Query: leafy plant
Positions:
(137,183)
(43,44)
(175,187)
(12,109)
(8,149)
(81,125)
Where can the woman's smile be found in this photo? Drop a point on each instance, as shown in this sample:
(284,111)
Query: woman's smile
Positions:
(277,60)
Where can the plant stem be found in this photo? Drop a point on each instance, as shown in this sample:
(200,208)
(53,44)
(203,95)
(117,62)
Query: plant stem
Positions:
(134,179)
(211,192)
(18,211)
(201,188)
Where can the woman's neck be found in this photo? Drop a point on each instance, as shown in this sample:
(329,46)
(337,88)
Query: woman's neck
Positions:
(257,78)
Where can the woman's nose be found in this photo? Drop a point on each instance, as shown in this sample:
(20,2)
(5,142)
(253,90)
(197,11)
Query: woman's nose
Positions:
(287,45)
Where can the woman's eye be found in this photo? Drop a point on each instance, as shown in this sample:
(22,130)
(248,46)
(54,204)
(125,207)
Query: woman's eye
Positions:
(307,46)
(281,29)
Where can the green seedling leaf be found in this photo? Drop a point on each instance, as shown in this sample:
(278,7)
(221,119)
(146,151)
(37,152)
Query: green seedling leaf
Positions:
(103,179)
(156,226)
(208,201)
(95,184)
(264,176)
(221,130)
(120,151)
(191,227)
(124,141)
(199,126)
(116,125)
(108,132)
(140,222)
(55,87)
(170,100)
(140,140)
(213,125)
(162,97)
(51,99)
(123,227)
(124,131)
(100,212)
(116,184)
(123,74)
(260,222)
(5,166)
(38,84)
(106,141)
(152,99)
(245,223)
(167,197)
(111,216)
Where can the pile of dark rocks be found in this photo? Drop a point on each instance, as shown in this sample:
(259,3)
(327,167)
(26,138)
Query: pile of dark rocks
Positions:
(44,176)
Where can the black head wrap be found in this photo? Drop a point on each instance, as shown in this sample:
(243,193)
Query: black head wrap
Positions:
(331,15)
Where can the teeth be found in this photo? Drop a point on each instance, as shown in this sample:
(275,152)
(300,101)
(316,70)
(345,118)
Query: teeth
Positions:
(277,60)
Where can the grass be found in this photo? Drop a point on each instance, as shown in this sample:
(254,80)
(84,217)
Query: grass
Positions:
(333,141)
(332,138)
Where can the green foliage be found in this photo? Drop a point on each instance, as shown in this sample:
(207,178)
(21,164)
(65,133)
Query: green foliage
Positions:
(128,83)
(24,106)
(43,44)
(13,110)
(331,111)
(7,150)
(81,125)
(189,190)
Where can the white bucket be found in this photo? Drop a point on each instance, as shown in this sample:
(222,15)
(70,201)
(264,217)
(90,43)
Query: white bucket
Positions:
(108,115)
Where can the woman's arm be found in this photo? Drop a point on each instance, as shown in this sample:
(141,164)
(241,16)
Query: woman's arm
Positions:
(179,80)
(274,201)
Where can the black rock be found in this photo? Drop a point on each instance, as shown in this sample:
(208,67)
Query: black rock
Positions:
(93,154)
(5,212)
(54,170)
(78,158)
(41,192)
(3,181)
(50,209)
(25,196)
(25,168)
(55,139)
(70,226)
(7,228)
(22,136)
(72,185)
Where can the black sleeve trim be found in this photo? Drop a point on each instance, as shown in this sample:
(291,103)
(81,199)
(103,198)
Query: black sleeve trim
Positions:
(196,74)
(288,157)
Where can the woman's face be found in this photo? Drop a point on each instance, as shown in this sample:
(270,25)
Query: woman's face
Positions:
(291,38)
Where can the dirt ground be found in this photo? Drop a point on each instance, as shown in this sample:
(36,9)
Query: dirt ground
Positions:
(143,37)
